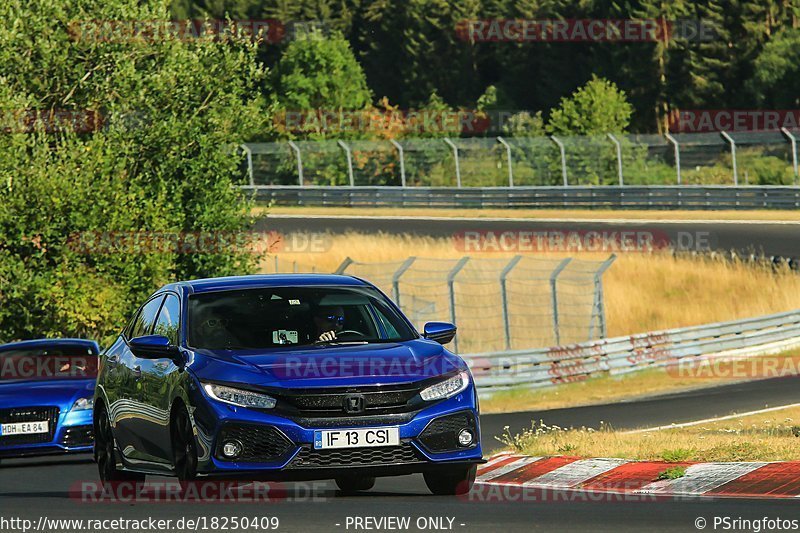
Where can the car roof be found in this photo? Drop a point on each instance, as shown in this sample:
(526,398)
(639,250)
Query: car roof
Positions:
(266,280)
(40,343)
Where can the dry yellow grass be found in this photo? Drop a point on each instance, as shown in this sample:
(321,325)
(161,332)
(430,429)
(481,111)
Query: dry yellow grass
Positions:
(594,214)
(766,437)
(643,292)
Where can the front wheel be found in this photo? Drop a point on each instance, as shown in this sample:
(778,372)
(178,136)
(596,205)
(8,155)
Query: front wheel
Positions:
(352,484)
(453,481)
(104,454)
(184,452)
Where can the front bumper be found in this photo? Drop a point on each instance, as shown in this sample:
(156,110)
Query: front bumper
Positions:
(286,447)
(73,434)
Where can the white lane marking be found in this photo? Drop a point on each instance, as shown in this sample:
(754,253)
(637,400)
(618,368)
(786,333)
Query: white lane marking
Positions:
(715,419)
(505,469)
(546,220)
(496,459)
(701,478)
(573,474)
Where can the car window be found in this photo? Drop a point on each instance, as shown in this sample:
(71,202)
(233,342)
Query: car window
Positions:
(144,321)
(279,316)
(169,319)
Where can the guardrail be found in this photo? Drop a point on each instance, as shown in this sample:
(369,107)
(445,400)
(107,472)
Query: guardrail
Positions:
(563,364)
(592,197)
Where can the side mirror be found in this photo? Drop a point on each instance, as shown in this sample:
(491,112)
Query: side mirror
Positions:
(153,347)
(441,332)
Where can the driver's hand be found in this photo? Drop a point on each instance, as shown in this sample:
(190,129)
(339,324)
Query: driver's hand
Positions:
(328,336)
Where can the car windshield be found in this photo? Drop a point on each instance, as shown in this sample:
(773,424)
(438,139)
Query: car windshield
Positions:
(252,319)
(48,362)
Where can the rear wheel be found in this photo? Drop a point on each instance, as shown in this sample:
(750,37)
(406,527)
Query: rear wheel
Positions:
(104,454)
(457,480)
(351,484)
(184,451)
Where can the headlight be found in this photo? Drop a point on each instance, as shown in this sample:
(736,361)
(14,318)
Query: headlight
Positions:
(83,404)
(242,398)
(447,388)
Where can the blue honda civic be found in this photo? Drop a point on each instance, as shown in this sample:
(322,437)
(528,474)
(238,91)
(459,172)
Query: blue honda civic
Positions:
(46,394)
(284,377)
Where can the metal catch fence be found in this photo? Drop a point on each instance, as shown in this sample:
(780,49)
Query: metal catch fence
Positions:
(497,304)
(736,158)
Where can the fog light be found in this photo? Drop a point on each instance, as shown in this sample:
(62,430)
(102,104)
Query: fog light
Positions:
(231,449)
(465,437)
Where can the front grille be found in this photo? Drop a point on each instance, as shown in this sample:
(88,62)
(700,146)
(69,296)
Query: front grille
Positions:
(381,456)
(78,436)
(260,444)
(442,434)
(29,414)
(327,403)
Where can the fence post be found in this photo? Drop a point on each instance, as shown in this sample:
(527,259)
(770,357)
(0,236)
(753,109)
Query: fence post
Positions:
(346,263)
(249,154)
(451,278)
(349,162)
(677,151)
(563,158)
(299,162)
(619,158)
(793,140)
(508,156)
(458,166)
(733,156)
(599,309)
(402,162)
(554,298)
(504,296)
(396,278)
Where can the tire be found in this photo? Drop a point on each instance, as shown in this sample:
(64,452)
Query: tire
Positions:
(104,452)
(184,449)
(451,482)
(353,484)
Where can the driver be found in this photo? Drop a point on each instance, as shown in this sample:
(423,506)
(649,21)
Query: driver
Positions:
(329,321)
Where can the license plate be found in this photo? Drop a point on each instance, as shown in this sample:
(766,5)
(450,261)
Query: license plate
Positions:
(24,428)
(356,438)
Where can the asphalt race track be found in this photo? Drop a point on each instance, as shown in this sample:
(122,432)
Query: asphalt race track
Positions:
(766,238)
(662,410)
(50,486)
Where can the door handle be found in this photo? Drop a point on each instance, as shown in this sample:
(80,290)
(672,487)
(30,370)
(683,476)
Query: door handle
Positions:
(137,372)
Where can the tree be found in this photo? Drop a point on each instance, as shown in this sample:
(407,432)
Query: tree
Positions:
(318,72)
(597,108)
(777,71)
(159,156)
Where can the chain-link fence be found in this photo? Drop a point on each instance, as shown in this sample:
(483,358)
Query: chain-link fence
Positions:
(497,304)
(758,158)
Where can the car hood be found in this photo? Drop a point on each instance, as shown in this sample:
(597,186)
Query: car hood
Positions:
(61,393)
(330,366)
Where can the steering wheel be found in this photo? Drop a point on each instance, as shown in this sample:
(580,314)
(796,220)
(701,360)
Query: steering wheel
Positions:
(354,332)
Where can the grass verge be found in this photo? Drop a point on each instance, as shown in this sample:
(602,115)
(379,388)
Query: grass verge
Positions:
(773,436)
(589,214)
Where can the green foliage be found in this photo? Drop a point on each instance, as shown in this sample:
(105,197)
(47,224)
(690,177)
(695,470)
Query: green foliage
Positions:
(164,161)
(523,124)
(678,455)
(597,108)
(319,72)
(676,472)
